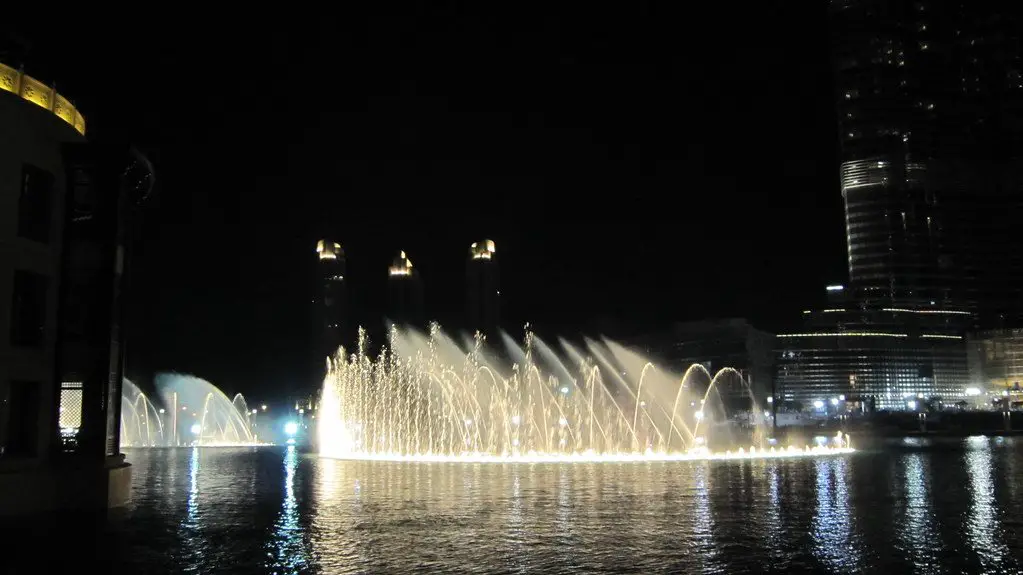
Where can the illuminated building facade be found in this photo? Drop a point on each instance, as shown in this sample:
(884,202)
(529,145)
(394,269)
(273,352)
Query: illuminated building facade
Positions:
(483,288)
(330,303)
(404,293)
(996,361)
(930,106)
(864,358)
(67,210)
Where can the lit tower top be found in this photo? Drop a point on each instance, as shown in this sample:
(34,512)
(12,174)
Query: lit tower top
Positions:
(329,250)
(402,266)
(482,250)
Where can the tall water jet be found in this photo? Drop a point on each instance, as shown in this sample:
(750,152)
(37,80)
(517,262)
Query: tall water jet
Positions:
(185,410)
(425,398)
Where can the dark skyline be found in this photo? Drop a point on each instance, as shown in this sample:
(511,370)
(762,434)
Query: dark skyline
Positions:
(640,165)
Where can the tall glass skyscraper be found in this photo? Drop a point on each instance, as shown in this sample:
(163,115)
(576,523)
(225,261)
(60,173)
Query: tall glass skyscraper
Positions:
(930,110)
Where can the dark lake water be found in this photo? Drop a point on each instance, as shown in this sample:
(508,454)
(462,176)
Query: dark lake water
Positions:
(903,506)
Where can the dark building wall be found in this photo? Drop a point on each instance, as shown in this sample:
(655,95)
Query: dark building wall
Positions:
(483,288)
(331,323)
(930,106)
(32,190)
(405,304)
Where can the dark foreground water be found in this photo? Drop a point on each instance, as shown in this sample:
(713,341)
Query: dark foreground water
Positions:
(906,506)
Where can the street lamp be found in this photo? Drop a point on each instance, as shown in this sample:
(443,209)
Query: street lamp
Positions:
(263,407)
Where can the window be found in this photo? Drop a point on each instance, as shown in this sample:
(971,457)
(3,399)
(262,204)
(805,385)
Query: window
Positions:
(35,204)
(19,412)
(28,309)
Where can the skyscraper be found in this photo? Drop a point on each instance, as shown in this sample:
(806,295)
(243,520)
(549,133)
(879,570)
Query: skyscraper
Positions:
(404,293)
(930,107)
(331,302)
(482,288)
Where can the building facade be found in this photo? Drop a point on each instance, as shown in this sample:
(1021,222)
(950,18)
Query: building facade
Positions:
(930,108)
(929,98)
(33,188)
(863,359)
(405,293)
(996,362)
(483,288)
(66,223)
(330,302)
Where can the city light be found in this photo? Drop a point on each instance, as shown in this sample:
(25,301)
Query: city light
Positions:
(161,410)
(911,404)
(699,415)
(834,401)
(263,407)
(254,412)
(972,391)
(845,334)
(184,408)
(516,420)
(835,288)
(291,428)
(818,404)
(196,429)
(564,390)
(562,422)
(770,400)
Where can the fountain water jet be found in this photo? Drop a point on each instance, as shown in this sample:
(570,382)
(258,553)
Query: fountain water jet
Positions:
(424,398)
(188,411)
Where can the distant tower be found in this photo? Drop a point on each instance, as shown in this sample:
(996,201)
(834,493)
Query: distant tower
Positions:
(482,288)
(331,305)
(404,293)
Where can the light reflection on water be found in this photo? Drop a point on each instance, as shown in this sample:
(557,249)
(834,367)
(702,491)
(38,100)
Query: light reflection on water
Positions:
(288,553)
(917,535)
(983,525)
(279,511)
(835,541)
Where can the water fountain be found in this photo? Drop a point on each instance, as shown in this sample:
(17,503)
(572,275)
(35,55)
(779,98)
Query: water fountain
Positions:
(141,421)
(188,411)
(425,398)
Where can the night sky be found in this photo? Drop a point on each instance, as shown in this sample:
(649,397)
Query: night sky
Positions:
(635,166)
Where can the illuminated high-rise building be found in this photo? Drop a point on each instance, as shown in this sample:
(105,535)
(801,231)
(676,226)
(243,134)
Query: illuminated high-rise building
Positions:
(404,293)
(331,300)
(930,109)
(482,288)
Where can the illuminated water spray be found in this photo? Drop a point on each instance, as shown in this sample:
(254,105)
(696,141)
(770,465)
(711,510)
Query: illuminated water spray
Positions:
(426,398)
